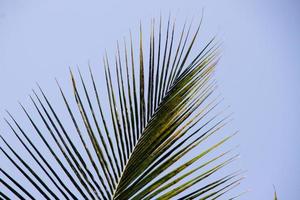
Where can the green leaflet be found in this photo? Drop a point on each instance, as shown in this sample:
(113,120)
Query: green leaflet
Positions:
(275,194)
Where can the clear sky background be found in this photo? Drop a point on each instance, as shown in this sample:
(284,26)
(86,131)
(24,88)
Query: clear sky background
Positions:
(258,74)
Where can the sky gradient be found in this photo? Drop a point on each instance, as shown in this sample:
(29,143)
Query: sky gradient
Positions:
(258,74)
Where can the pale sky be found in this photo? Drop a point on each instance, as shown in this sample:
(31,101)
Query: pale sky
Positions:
(258,74)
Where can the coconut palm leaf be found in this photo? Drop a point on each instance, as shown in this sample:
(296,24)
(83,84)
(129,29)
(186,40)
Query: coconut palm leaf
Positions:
(141,132)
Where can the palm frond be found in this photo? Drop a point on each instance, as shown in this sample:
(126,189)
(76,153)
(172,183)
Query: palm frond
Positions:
(139,133)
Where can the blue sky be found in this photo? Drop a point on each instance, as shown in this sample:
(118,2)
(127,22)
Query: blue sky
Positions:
(258,74)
